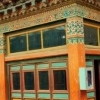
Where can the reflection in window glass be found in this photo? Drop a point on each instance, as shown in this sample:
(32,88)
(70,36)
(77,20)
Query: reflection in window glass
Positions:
(34,40)
(54,37)
(43,80)
(18,43)
(90,35)
(29,80)
(59,79)
(16,81)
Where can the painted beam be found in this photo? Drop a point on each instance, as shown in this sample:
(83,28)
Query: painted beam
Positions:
(50,16)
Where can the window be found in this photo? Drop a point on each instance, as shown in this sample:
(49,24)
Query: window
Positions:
(54,37)
(18,43)
(29,80)
(34,40)
(59,79)
(16,81)
(43,80)
(44,38)
(91,35)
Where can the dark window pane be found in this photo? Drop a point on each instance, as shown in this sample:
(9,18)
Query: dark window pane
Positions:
(43,80)
(16,81)
(59,80)
(29,80)
(34,40)
(18,43)
(54,37)
(90,35)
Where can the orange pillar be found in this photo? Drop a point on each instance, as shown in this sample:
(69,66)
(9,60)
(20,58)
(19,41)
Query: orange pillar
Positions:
(3,93)
(76,56)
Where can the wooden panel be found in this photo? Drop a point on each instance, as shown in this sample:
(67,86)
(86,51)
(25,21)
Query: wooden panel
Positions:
(16,99)
(44,95)
(43,66)
(28,67)
(91,99)
(15,68)
(18,95)
(91,94)
(29,95)
(60,96)
(58,64)
(89,63)
(29,99)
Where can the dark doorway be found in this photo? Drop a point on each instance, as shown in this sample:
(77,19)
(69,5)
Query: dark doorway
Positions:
(97,78)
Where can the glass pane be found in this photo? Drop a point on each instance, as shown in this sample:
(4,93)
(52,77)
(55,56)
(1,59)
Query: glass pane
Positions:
(16,81)
(34,40)
(59,79)
(90,35)
(18,43)
(43,80)
(54,37)
(29,80)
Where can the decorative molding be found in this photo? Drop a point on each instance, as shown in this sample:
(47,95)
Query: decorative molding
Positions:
(75,30)
(75,25)
(50,16)
(2,43)
(76,40)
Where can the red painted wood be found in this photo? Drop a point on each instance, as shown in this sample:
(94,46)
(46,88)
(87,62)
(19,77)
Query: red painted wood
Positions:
(3,86)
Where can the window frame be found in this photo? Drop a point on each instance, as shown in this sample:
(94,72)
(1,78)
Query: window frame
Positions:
(26,32)
(52,77)
(24,90)
(38,87)
(98,34)
(11,81)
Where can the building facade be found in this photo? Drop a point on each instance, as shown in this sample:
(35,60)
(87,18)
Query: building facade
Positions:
(50,50)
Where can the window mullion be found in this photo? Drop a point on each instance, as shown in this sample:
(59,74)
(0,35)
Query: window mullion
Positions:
(41,39)
(27,43)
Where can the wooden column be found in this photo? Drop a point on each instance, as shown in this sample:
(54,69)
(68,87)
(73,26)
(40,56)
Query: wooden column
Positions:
(76,56)
(3,93)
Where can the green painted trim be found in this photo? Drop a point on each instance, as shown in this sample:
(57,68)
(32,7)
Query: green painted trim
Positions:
(89,63)
(28,67)
(39,66)
(90,94)
(44,95)
(59,64)
(15,68)
(93,57)
(18,95)
(29,95)
(60,96)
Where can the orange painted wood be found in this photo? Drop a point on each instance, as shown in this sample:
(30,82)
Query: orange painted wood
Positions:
(40,54)
(92,51)
(3,92)
(76,59)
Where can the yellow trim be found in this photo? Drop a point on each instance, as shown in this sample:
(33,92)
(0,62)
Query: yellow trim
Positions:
(98,34)
(27,42)
(26,32)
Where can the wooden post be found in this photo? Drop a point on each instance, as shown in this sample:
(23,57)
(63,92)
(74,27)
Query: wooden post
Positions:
(3,92)
(76,56)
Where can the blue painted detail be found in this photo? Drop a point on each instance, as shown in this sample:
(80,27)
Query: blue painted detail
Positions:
(15,68)
(28,67)
(39,66)
(90,94)
(16,95)
(60,96)
(89,63)
(59,64)
(44,95)
(29,95)
(82,77)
